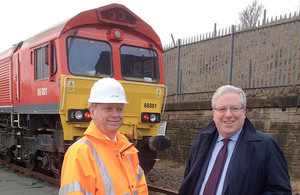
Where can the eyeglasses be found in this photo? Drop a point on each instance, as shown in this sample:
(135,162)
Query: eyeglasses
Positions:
(224,110)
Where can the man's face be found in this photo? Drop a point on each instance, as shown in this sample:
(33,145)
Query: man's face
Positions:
(108,117)
(229,122)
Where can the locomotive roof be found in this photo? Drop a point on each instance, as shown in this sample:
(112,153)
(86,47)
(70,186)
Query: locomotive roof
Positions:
(84,18)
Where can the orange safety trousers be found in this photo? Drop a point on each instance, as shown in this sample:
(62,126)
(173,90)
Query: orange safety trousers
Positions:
(96,165)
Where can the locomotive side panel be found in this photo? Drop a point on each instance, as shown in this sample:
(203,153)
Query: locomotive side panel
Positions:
(5,83)
(38,91)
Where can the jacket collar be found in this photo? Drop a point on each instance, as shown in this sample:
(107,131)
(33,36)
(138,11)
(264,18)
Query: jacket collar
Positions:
(123,143)
(250,133)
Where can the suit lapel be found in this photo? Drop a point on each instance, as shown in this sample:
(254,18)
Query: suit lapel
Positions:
(203,156)
(197,157)
(208,151)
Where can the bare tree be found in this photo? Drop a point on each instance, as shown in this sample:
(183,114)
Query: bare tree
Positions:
(249,17)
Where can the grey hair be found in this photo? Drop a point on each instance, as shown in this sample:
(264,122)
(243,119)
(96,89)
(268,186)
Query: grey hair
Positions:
(228,89)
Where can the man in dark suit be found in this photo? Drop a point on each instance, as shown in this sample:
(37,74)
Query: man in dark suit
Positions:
(230,157)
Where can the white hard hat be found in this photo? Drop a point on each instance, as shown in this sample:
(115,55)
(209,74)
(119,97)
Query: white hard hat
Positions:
(107,90)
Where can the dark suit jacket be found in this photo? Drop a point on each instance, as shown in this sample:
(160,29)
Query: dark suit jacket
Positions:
(257,165)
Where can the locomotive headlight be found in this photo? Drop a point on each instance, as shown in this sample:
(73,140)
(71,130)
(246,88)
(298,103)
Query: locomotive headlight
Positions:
(78,115)
(87,115)
(146,117)
(152,118)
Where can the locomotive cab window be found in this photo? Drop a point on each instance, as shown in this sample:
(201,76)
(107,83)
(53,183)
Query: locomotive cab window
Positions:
(139,64)
(41,67)
(42,62)
(87,57)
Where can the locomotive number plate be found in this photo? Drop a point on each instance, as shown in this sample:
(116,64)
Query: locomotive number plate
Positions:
(150,105)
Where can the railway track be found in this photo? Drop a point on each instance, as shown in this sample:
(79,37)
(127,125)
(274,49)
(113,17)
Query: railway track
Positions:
(55,182)
(33,174)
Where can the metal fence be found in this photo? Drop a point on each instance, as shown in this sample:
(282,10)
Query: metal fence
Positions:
(264,58)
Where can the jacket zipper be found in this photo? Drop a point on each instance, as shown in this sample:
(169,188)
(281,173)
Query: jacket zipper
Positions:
(126,149)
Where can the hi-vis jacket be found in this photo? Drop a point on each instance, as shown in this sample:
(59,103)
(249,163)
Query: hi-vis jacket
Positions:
(96,165)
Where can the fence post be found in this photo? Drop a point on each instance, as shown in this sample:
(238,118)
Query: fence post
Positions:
(231,56)
(265,16)
(177,73)
(215,29)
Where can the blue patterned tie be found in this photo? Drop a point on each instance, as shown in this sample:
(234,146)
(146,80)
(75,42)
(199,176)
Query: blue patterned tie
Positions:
(216,173)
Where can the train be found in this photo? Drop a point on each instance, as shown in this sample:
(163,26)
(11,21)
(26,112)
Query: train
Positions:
(46,81)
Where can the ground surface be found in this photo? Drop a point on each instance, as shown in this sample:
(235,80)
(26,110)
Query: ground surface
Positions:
(165,174)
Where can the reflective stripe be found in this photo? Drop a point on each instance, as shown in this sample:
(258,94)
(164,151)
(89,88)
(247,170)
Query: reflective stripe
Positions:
(140,174)
(128,156)
(134,193)
(107,182)
(73,187)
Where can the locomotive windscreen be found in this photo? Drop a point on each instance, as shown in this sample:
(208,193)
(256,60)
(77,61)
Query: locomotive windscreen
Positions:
(89,57)
(139,64)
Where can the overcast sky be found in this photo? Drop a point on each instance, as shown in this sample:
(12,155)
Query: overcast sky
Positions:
(21,19)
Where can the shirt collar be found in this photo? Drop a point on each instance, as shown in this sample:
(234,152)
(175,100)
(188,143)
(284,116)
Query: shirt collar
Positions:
(115,138)
(232,138)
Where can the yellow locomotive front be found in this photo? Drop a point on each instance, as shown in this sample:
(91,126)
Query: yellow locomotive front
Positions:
(129,52)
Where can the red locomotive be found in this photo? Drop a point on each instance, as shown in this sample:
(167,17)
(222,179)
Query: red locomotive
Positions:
(46,80)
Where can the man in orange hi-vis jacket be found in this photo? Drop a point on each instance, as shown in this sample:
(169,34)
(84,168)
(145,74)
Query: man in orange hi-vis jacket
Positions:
(103,161)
